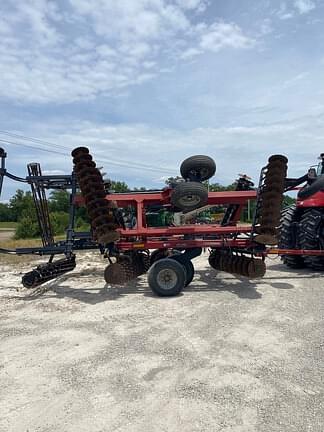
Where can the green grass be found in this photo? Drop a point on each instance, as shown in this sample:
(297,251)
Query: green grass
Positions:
(13,244)
(21,243)
(11,225)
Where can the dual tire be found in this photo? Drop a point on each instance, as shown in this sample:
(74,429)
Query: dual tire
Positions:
(302,230)
(189,196)
(198,168)
(168,276)
(192,194)
(289,237)
(311,236)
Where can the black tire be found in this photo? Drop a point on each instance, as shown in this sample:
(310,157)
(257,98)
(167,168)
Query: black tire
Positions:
(189,268)
(144,262)
(311,236)
(198,168)
(189,196)
(157,255)
(286,237)
(161,271)
(311,189)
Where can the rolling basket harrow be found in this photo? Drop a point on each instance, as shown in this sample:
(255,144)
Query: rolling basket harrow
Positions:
(165,252)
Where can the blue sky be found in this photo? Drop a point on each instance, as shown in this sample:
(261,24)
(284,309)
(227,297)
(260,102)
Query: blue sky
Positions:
(146,83)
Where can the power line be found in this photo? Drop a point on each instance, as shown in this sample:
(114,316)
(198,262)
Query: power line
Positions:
(118,162)
(109,161)
(32,147)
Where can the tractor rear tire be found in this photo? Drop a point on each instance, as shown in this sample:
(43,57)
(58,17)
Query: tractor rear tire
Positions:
(311,236)
(189,196)
(167,277)
(288,217)
(198,168)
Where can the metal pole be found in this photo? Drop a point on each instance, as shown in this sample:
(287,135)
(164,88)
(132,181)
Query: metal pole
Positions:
(70,230)
(3,155)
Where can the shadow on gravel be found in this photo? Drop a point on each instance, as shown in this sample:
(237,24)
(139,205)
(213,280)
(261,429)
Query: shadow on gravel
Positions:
(241,287)
(294,272)
(205,281)
(281,285)
(60,288)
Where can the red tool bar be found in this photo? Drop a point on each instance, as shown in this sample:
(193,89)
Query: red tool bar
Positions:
(214,198)
(185,229)
(314,252)
(182,244)
(163,197)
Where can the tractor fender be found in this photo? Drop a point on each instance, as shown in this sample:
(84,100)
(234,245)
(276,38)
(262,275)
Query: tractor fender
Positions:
(311,189)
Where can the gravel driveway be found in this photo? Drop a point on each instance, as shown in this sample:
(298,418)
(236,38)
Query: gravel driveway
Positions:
(227,355)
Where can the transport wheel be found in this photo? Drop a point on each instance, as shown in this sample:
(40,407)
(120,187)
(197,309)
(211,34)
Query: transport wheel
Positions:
(199,168)
(143,262)
(157,255)
(167,277)
(189,196)
(214,259)
(311,236)
(287,236)
(188,266)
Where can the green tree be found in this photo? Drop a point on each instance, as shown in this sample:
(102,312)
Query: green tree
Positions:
(288,201)
(59,221)
(172,180)
(119,186)
(140,189)
(217,187)
(81,213)
(27,228)
(5,213)
(59,201)
(22,205)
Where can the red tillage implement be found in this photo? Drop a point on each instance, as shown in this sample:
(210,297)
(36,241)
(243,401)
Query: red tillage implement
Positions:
(203,235)
(120,228)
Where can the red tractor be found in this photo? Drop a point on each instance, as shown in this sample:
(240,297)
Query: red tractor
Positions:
(302,224)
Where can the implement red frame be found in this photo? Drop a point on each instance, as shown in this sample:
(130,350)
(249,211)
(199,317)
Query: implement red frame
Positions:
(188,236)
(184,236)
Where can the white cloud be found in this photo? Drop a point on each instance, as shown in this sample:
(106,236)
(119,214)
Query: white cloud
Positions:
(266,27)
(221,35)
(199,5)
(190,53)
(283,13)
(301,7)
(217,36)
(304,6)
(99,47)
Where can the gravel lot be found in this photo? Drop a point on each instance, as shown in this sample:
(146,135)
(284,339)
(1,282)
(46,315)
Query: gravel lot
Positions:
(227,355)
